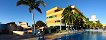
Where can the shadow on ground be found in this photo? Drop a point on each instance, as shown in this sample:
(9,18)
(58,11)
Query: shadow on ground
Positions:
(15,37)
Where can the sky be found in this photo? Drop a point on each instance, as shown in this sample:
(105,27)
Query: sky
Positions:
(9,12)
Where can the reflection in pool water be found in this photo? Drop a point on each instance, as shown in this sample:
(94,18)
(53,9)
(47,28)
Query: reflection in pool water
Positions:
(85,36)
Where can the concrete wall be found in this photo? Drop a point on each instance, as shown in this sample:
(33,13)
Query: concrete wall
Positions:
(56,16)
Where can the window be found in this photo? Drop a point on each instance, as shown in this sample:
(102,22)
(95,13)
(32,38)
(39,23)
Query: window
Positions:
(51,17)
(55,15)
(57,21)
(57,10)
(47,17)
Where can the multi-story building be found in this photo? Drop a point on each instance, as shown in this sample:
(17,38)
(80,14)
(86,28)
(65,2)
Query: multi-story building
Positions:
(8,28)
(93,18)
(3,28)
(54,16)
(25,26)
(12,26)
(104,24)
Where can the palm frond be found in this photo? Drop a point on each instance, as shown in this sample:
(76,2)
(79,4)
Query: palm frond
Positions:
(33,1)
(38,9)
(40,2)
(43,3)
(32,4)
(31,9)
(22,2)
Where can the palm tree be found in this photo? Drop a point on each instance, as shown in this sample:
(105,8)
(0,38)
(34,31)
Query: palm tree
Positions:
(87,23)
(68,16)
(32,4)
(79,20)
(72,18)
(98,24)
(91,24)
(40,23)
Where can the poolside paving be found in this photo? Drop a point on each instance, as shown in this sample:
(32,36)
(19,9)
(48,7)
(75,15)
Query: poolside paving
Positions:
(30,37)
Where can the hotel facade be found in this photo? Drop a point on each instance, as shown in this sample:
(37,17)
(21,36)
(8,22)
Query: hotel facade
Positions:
(54,17)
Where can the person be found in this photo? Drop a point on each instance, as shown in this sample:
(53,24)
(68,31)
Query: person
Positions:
(41,35)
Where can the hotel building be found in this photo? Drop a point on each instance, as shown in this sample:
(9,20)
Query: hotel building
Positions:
(54,17)
(93,18)
(24,25)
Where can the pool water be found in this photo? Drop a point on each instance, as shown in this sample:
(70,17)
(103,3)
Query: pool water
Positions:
(85,36)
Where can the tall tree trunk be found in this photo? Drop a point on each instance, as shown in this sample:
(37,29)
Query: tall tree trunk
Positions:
(60,24)
(33,21)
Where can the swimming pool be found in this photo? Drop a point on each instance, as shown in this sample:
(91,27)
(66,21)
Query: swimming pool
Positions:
(88,35)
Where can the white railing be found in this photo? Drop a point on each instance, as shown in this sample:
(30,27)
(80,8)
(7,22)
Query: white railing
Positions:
(18,32)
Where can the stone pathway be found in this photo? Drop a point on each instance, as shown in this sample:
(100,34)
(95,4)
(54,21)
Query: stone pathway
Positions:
(57,35)
(28,37)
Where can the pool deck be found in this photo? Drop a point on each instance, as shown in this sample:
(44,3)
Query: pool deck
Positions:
(47,37)
(59,35)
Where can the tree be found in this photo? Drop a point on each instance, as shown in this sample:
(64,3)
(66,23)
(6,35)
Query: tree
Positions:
(40,23)
(87,23)
(95,24)
(73,18)
(32,4)
(68,16)
(79,21)
(91,24)
(98,24)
